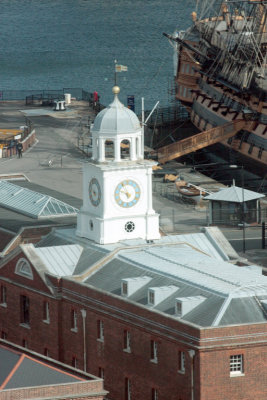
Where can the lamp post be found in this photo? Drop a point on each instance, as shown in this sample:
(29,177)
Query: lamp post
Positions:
(243,205)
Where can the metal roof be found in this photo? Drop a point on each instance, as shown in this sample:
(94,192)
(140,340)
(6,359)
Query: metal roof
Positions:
(183,263)
(18,370)
(234,194)
(33,204)
(60,260)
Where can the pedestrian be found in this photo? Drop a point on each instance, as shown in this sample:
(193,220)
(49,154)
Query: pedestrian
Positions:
(20,148)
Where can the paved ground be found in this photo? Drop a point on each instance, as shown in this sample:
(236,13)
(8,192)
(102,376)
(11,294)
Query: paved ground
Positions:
(57,145)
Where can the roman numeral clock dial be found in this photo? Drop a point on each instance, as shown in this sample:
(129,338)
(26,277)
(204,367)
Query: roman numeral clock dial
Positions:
(94,192)
(127,193)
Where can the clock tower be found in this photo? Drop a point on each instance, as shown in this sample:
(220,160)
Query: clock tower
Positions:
(117,181)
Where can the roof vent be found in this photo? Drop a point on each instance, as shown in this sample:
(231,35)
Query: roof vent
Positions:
(157,294)
(131,285)
(183,305)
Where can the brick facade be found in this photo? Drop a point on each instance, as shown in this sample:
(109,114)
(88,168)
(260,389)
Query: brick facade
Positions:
(207,352)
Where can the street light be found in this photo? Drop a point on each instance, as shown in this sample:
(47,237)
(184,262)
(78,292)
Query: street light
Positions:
(243,204)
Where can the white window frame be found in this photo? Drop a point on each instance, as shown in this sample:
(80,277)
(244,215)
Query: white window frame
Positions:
(3,296)
(47,313)
(100,329)
(154,351)
(127,341)
(155,395)
(236,365)
(124,288)
(128,388)
(179,308)
(74,322)
(181,360)
(151,297)
(23,268)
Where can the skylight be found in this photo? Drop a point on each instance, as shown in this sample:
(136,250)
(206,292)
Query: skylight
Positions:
(33,204)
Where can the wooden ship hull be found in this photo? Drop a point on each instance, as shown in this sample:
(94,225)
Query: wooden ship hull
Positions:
(221,79)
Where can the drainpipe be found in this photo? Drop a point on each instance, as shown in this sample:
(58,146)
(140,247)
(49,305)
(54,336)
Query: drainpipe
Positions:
(84,338)
(192,355)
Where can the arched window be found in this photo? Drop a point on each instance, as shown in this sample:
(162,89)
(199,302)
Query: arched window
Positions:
(23,268)
(109,149)
(125,149)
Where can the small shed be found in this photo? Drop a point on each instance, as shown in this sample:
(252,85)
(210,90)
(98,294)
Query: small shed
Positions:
(226,207)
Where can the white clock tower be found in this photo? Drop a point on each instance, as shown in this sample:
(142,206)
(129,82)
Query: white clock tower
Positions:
(117,181)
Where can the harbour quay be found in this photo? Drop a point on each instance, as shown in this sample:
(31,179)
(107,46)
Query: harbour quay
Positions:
(62,141)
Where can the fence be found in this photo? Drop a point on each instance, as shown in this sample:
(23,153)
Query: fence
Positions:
(49,95)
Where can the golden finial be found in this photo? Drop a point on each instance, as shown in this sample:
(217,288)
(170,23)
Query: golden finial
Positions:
(116,89)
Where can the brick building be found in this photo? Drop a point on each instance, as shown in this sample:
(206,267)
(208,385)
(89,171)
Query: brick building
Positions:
(157,317)
(156,321)
(27,375)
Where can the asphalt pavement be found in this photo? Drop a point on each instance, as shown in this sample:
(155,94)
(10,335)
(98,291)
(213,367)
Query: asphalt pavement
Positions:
(55,161)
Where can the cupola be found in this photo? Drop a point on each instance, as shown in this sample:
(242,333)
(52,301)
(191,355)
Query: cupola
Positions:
(116,133)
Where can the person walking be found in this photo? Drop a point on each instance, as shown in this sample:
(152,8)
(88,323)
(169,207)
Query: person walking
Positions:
(20,148)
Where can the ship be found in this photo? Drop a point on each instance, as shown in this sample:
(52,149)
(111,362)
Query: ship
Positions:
(221,80)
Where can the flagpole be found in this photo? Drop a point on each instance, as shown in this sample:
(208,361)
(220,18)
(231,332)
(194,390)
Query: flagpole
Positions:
(115,73)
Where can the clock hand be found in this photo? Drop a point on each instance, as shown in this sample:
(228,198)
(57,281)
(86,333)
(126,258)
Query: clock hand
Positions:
(126,192)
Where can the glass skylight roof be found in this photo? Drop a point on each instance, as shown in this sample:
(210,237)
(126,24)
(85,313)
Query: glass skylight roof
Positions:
(33,204)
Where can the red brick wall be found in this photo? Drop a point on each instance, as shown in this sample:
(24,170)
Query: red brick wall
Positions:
(40,335)
(92,390)
(213,346)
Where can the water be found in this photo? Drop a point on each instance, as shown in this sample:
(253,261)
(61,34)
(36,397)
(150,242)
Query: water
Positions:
(49,44)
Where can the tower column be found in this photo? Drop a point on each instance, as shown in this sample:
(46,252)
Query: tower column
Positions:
(101,150)
(117,149)
(94,144)
(149,192)
(139,148)
(133,149)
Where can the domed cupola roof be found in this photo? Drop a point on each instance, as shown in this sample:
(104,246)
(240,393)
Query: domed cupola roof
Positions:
(116,118)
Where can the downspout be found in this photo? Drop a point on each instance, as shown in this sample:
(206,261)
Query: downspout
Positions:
(83,312)
(192,355)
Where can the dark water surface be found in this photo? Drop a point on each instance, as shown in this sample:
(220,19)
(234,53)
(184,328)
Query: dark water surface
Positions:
(49,44)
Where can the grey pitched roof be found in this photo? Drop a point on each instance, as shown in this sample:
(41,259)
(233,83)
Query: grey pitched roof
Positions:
(8,360)
(33,373)
(228,290)
(29,372)
(234,194)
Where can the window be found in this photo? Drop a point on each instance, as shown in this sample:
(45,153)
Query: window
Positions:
(127,341)
(74,362)
(124,288)
(100,331)
(154,394)
(127,389)
(4,335)
(154,351)
(25,310)
(46,352)
(101,373)
(24,343)
(151,297)
(179,308)
(181,362)
(46,315)
(236,365)
(3,296)
(23,268)
(74,326)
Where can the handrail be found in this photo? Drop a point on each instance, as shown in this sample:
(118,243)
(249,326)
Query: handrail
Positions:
(200,140)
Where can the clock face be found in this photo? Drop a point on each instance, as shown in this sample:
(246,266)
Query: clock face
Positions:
(94,192)
(127,193)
